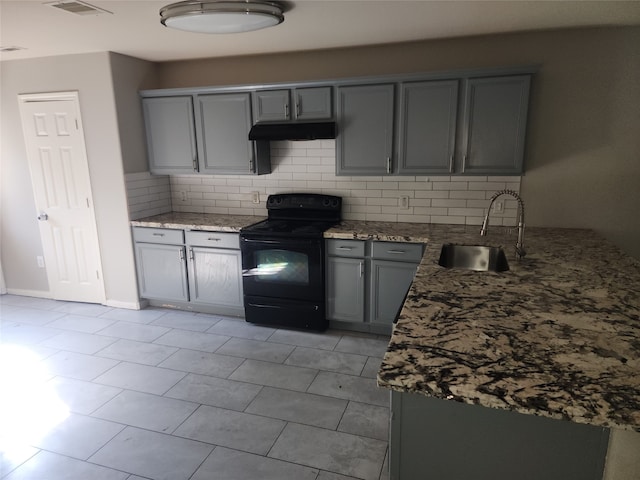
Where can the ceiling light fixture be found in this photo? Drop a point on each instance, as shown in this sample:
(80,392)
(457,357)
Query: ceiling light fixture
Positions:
(222,16)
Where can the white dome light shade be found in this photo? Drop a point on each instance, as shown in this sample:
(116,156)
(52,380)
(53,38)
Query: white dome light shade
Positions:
(221,16)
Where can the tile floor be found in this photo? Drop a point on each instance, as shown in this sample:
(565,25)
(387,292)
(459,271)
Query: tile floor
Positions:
(92,392)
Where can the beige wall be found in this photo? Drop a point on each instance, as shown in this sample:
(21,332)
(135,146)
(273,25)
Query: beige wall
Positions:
(91,76)
(582,162)
(130,75)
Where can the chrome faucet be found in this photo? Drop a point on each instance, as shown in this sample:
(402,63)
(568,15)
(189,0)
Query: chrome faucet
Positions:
(520,251)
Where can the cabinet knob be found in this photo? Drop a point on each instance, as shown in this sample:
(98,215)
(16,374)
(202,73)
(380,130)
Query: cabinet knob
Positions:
(43,217)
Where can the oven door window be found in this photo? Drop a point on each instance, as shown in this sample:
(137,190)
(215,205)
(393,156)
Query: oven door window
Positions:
(282,266)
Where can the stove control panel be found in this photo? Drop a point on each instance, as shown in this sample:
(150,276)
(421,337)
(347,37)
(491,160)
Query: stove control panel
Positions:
(304,201)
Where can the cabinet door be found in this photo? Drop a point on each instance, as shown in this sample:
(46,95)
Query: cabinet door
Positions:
(162,271)
(390,282)
(313,103)
(215,276)
(428,127)
(495,122)
(271,105)
(345,289)
(171,140)
(365,130)
(223,131)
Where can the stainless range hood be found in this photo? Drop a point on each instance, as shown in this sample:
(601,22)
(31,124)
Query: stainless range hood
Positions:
(293,131)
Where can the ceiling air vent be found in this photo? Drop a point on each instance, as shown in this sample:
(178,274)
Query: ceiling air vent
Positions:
(11,48)
(79,8)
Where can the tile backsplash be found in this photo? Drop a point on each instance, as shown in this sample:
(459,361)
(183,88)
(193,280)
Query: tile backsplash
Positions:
(147,194)
(309,166)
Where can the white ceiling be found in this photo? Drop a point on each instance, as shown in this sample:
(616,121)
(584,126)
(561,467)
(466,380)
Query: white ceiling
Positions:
(133,28)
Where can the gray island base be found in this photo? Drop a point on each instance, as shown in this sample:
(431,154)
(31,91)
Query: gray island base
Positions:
(435,439)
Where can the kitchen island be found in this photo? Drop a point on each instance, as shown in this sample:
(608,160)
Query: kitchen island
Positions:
(556,336)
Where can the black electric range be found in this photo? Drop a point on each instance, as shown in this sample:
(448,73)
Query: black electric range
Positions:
(283,261)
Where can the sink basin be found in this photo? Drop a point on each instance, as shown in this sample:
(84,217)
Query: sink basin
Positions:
(473,257)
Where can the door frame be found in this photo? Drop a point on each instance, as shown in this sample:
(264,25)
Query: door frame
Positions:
(73,96)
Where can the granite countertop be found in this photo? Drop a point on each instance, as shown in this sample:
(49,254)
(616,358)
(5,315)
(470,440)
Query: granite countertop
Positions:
(558,335)
(198,221)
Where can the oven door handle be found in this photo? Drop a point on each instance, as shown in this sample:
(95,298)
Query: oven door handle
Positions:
(285,243)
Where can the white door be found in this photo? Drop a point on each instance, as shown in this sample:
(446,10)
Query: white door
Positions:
(60,177)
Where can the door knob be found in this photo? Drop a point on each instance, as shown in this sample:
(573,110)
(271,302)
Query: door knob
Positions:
(43,217)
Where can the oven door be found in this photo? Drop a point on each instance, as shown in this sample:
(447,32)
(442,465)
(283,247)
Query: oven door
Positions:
(283,268)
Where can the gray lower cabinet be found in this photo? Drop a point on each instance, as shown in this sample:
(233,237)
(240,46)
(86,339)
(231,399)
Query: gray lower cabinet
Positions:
(393,266)
(367,282)
(345,290)
(365,117)
(160,261)
(190,270)
(494,125)
(390,282)
(434,439)
(171,138)
(161,272)
(215,274)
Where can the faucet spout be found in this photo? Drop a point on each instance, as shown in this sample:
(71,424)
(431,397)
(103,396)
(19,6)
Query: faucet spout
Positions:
(520,251)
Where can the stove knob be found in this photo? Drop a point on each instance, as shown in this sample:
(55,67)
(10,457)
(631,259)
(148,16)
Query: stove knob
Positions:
(334,202)
(326,202)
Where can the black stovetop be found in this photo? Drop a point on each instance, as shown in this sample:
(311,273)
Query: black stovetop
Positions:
(298,214)
(288,227)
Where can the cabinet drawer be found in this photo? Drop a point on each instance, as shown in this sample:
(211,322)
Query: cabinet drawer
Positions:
(346,248)
(398,251)
(213,239)
(158,235)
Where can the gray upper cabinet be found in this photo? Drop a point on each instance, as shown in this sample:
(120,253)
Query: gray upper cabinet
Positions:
(365,115)
(447,123)
(494,125)
(271,106)
(427,126)
(224,121)
(312,103)
(171,139)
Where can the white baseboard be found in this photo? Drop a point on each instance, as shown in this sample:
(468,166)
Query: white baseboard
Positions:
(139,305)
(29,293)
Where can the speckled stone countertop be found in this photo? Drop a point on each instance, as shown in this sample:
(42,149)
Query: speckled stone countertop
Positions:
(558,335)
(198,221)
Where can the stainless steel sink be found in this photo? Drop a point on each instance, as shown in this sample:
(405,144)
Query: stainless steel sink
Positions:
(473,257)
